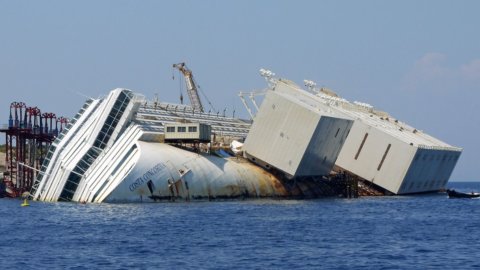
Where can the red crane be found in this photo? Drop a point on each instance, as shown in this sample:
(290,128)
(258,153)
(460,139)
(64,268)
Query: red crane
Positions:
(28,136)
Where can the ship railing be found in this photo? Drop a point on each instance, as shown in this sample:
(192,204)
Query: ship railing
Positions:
(210,120)
(218,122)
(181,109)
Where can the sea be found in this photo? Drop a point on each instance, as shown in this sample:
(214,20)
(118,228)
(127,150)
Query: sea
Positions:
(395,232)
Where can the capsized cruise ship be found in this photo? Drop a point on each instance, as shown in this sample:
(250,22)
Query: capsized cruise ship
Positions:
(123,148)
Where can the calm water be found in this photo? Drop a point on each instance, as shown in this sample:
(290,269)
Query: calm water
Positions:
(408,232)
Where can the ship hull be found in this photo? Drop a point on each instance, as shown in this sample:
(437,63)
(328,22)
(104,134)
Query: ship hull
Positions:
(166,173)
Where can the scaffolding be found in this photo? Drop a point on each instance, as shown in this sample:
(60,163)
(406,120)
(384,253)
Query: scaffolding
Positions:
(28,135)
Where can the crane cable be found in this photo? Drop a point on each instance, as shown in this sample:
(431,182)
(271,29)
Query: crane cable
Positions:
(204,95)
(179,85)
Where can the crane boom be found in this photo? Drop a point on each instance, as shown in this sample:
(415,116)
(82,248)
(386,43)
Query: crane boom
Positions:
(191,86)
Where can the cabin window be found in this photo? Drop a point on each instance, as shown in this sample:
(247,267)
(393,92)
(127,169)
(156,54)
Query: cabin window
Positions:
(361,146)
(170,129)
(384,156)
(181,129)
(192,129)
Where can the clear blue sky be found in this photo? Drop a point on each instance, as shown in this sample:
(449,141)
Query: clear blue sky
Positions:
(418,60)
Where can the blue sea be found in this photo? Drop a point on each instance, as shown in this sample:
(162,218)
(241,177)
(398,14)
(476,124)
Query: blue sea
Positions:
(399,232)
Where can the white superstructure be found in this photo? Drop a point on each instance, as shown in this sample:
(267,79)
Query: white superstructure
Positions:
(89,135)
(390,153)
(296,133)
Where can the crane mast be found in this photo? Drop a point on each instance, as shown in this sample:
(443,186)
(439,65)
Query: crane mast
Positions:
(191,86)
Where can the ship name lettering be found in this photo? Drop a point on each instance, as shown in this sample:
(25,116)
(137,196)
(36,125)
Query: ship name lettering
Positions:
(146,176)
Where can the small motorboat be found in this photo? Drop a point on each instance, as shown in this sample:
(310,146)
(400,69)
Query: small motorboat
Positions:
(455,194)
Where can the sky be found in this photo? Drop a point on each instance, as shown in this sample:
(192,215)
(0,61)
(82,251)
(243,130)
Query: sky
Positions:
(417,60)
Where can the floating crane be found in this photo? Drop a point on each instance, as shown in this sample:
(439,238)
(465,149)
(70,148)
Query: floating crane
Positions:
(191,86)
